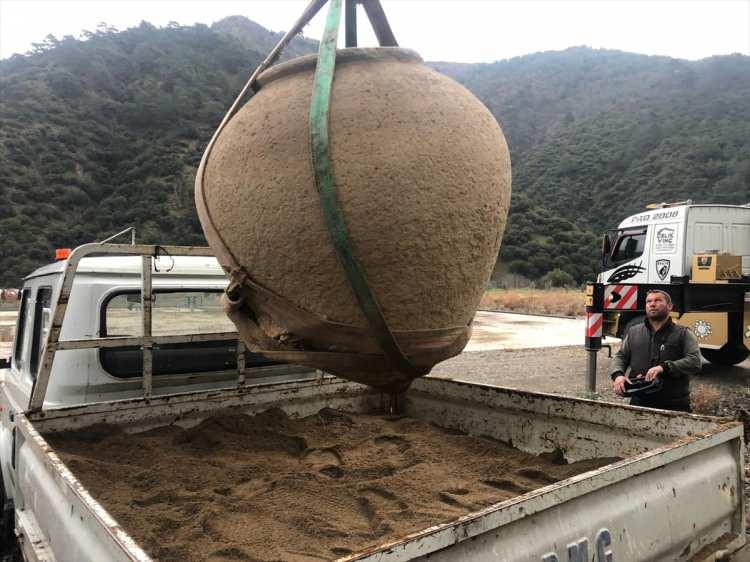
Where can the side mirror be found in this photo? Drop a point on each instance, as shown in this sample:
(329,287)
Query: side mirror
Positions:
(5,363)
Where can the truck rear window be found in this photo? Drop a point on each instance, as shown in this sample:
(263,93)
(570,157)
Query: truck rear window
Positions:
(173,313)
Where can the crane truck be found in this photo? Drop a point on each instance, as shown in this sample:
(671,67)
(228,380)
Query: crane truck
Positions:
(699,254)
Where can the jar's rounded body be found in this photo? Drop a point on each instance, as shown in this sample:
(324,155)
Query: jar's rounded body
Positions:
(423,174)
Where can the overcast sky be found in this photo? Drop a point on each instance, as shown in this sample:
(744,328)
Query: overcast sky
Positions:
(449,30)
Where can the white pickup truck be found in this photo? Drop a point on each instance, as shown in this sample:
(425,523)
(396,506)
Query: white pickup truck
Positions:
(135,337)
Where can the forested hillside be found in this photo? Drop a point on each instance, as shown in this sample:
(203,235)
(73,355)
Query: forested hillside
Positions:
(101,134)
(596,135)
(105,133)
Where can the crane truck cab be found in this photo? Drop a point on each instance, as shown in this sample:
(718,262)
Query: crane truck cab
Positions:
(700,255)
(656,245)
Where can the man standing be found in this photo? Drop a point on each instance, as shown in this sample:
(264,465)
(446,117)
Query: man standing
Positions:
(658,348)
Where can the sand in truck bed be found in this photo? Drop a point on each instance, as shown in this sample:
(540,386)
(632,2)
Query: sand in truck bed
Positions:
(269,487)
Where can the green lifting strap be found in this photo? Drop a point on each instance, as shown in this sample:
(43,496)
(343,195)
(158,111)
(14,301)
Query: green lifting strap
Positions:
(329,199)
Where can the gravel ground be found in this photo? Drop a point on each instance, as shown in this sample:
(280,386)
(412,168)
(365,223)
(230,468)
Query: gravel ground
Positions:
(559,370)
(722,391)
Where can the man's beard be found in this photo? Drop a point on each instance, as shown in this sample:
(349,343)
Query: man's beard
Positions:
(657,315)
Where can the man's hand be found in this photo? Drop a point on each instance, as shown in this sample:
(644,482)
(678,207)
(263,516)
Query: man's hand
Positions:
(619,385)
(654,372)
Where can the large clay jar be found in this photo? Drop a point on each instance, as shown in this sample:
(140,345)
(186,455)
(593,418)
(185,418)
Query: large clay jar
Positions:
(423,175)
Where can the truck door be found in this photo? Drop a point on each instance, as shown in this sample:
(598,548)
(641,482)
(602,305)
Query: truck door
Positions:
(19,345)
(7,424)
(665,258)
(33,325)
(42,319)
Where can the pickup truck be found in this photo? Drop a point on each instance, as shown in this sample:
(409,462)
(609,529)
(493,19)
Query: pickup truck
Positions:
(133,336)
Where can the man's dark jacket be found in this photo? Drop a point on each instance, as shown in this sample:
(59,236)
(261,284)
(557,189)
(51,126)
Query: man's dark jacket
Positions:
(673,347)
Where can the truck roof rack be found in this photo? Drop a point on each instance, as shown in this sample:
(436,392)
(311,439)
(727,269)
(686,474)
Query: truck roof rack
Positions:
(663,204)
(146,341)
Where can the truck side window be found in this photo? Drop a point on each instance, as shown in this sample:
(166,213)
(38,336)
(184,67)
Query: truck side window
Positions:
(629,246)
(42,320)
(174,312)
(21,329)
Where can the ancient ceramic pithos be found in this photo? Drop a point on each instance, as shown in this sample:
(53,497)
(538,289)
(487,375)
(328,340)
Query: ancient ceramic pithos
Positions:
(423,175)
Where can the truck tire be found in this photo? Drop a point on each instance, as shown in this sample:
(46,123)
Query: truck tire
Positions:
(8,545)
(727,356)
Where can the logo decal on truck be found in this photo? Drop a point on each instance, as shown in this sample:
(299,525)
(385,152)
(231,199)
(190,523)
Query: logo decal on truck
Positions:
(701,329)
(666,240)
(625,272)
(662,268)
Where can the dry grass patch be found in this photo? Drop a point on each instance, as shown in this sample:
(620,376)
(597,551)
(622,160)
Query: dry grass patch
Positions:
(560,302)
(705,400)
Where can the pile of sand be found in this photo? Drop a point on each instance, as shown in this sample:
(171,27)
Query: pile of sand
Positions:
(272,488)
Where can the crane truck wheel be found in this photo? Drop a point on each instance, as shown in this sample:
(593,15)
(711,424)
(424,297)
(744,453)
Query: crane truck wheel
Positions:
(727,356)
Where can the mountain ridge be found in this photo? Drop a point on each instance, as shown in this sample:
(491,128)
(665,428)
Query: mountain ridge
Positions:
(100,134)
(257,38)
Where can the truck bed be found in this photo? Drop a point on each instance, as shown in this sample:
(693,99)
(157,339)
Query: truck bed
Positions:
(363,479)
(675,493)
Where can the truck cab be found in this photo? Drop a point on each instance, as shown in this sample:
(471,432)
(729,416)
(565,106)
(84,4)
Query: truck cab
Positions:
(653,246)
(105,302)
